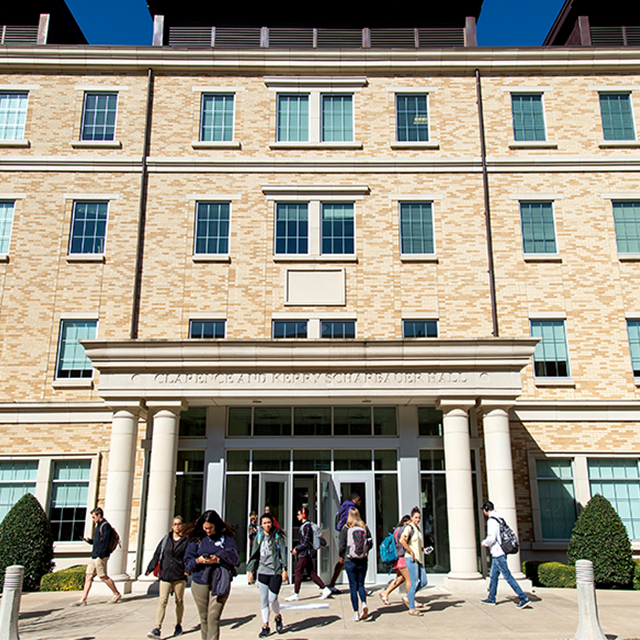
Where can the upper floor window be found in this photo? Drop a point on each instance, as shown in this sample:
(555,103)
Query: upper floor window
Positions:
(289,329)
(416,228)
(551,357)
(207,329)
(6,225)
(99,116)
(538,227)
(211,235)
(338,329)
(626,219)
(13,114)
(412,121)
(337,118)
(528,117)
(337,228)
(216,117)
(17,477)
(88,228)
(617,117)
(633,329)
(292,228)
(419,328)
(72,360)
(293,118)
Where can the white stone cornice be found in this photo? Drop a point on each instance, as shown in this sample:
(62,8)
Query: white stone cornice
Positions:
(54,412)
(71,163)
(530,410)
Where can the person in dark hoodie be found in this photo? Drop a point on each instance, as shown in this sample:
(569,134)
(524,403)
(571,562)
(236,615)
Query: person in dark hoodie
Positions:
(211,558)
(169,559)
(353,502)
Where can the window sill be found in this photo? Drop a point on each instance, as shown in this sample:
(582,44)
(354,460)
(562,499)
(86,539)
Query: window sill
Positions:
(315,145)
(433,144)
(96,144)
(222,257)
(233,144)
(542,257)
(418,257)
(619,144)
(636,381)
(532,144)
(629,257)
(73,383)
(554,382)
(322,258)
(4,257)
(86,257)
(15,143)
(72,548)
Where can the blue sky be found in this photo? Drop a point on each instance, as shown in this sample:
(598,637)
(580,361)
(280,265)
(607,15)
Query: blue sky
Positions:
(503,23)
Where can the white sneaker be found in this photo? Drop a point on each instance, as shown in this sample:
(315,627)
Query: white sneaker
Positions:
(356,617)
(292,598)
(326,592)
(365,613)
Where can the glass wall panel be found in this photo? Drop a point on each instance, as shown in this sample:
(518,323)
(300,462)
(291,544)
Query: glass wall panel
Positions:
(432,460)
(235,513)
(239,421)
(272,421)
(271,460)
(435,525)
(312,421)
(429,421)
(386,509)
(193,422)
(385,459)
(352,460)
(238,460)
(312,460)
(352,421)
(384,421)
(189,484)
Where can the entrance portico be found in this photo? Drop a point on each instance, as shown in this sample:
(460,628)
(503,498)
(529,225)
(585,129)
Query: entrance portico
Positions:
(459,377)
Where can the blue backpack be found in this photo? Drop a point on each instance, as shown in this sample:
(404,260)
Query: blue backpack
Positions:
(388,550)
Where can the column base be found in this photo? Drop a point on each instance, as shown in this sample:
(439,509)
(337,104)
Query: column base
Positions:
(465,583)
(123,584)
(505,590)
(146,585)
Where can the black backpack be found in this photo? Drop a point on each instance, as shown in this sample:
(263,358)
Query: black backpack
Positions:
(508,539)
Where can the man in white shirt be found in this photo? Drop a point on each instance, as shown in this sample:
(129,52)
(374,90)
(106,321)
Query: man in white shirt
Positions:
(498,559)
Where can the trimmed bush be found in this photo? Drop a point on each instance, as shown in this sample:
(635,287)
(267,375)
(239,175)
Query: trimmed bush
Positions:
(26,539)
(70,579)
(600,536)
(530,569)
(558,575)
(636,574)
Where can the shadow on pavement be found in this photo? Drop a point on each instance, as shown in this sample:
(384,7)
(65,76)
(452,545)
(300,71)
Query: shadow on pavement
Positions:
(310,623)
(236,623)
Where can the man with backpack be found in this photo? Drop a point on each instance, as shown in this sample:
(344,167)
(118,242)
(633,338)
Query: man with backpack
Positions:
(103,538)
(498,534)
(310,541)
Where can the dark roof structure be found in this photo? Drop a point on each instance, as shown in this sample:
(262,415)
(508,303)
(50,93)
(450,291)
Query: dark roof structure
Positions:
(27,23)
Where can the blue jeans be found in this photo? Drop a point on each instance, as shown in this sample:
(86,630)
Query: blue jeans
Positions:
(418,579)
(499,566)
(356,571)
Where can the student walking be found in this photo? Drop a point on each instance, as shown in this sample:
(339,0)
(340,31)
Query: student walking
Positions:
(169,558)
(399,566)
(211,558)
(411,540)
(305,553)
(353,502)
(498,559)
(100,553)
(355,544)
(266,565)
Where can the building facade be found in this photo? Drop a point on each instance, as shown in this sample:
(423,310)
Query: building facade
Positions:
(273,274)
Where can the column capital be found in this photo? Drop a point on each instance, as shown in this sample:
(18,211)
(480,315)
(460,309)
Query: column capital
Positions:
(490,404)
(449,404)
(174,406)
(134,407)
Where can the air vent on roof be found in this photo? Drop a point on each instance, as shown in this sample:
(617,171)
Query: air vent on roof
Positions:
(12,34)
(284,38)
(237,38)
(615,36)
(189,36)
(339,38)
(440,38)
(393,38)
(632,35)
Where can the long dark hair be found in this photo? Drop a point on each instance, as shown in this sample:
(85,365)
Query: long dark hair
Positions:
(274,528)
(195,529)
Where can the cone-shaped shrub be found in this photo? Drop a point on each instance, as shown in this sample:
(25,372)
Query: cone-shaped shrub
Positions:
(26,539)
(600,536)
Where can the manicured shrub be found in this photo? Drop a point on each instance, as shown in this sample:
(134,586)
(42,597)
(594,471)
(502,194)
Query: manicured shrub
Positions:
(530,569)
(556,574)
(636,574)
(600,536)
(70,579)
(26,539)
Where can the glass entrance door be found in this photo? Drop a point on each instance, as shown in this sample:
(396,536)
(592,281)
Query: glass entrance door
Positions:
(275,497)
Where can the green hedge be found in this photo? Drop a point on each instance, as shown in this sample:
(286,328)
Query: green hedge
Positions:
(556,574)
(636,574)
(71,579)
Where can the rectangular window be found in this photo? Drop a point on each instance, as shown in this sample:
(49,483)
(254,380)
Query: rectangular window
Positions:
(292,228)
(99,116)
(88,228)
(311,421)
(337,118)
(416,228)
(626,219)
(72,360)
(429,421)
(618,480)
(207,329)
(633,328)
(551,358)
(69,497)
(189,484)
(16,479)
(13,114)
(289,329)
(352,421)
(419,328)
(6,225)
(272,421)
(617,119)
(412,122)
(338,329)
(556,497)
(337,228)
(528,118)
(293,118)
(538,228)
(212,228)
(216,118)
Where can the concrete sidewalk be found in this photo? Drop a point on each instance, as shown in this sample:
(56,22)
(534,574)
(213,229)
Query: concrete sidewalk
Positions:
(553,616)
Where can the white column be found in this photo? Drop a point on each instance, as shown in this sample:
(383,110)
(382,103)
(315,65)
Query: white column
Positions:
(499,462)
(119,489)
(462,533)
(162,475)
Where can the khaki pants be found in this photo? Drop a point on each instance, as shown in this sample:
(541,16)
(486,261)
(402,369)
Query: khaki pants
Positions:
(209,609)
(166,588)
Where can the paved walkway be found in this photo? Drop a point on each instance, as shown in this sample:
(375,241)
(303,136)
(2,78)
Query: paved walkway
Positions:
(553,616)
